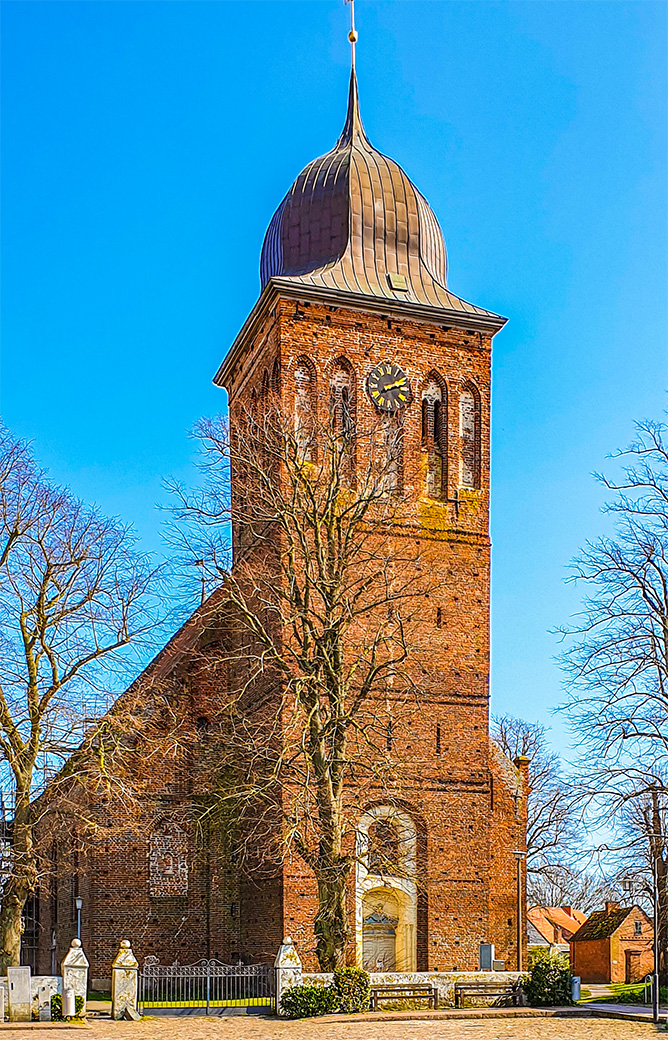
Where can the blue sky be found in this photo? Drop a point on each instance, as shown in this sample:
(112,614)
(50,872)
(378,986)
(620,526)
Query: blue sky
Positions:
(146,146)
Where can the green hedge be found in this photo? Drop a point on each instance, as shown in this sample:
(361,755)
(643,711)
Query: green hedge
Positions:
(307,1001)
(353,986)
(548,984)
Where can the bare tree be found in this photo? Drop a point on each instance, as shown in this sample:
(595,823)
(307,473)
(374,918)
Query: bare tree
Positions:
(617,664)
(563,885)
(322,606)
(627,804)
(73,595)
(618,661)
(552,829)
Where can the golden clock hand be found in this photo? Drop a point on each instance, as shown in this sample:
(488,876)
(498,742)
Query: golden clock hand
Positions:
(393,386)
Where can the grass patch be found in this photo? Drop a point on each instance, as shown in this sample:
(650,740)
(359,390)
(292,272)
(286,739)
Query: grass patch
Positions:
(623,993)
(98,994)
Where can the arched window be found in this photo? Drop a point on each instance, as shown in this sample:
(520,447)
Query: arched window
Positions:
(435,434)
(305,391)
(383,856)
(343,407)
(469,437)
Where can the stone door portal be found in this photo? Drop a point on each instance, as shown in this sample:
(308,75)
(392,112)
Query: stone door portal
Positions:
(380,940)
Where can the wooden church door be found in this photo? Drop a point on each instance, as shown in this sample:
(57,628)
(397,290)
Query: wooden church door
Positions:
(380,942)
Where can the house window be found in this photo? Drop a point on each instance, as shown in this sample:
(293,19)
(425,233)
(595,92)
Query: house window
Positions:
(638,927)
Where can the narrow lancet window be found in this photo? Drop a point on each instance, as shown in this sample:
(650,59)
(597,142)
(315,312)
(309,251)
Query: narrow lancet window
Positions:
(435,435)
(343,408)
(469,439)
(304,388)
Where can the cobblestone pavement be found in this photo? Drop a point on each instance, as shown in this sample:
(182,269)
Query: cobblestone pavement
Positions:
(251,1028)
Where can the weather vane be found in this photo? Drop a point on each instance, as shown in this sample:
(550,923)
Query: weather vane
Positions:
(352,35)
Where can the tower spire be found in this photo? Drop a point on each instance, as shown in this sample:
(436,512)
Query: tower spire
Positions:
(353,126)
(352,35)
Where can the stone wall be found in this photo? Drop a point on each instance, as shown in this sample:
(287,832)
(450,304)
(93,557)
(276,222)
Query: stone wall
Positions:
(443,980)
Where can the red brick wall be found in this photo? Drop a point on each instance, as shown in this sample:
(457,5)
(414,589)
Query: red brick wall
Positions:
(640,948)
(591,960)
(605,960)
(471,822)
(462,800)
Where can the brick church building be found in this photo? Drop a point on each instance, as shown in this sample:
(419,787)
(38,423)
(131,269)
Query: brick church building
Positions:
(353,293)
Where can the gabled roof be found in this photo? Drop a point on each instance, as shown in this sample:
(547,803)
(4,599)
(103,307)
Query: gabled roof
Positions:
(602,924)
(547,920)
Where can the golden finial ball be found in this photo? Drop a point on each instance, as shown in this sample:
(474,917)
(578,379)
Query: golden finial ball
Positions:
(352,36)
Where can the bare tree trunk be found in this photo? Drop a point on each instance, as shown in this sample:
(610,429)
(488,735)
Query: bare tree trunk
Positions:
(18,887)
(662,879)
(331,924)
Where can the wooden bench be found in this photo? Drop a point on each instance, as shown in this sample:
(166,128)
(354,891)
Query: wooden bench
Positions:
(485,989)
(404,992)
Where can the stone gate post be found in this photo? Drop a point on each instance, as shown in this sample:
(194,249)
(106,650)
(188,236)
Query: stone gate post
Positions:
(124,972)
(288,969)
(74,969)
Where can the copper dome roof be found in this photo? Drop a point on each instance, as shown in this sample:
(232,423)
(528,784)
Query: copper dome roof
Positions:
(354,222)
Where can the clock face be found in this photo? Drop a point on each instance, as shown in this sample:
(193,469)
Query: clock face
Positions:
(388,387)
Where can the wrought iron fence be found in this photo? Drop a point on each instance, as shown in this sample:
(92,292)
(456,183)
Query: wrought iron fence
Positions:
(207,985)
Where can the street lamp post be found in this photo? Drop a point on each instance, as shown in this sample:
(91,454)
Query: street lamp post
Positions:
(627,886)
(519,856)
(655,987)
(78,902)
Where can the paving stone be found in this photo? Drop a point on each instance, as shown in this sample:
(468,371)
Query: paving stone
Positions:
(241,1027)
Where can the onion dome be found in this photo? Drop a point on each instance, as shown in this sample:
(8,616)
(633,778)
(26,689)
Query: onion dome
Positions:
(353,222)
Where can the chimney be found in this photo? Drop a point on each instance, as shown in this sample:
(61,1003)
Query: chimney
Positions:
(610,907)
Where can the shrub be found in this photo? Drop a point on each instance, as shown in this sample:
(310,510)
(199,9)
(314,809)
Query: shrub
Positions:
(353,987)
(548,984)
(57,1007)
(308,1001)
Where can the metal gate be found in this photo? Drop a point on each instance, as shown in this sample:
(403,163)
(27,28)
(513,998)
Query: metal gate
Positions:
(207,987)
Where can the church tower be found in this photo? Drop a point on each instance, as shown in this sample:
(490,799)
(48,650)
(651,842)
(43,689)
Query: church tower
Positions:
(355,319)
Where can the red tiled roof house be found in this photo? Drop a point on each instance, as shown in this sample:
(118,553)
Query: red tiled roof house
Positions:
(613,945)
(553,926)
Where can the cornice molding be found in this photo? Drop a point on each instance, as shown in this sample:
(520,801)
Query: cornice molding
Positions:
(285,288)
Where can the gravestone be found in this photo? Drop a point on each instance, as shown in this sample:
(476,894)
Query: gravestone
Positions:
(124,970)
(19,994)
(288,969)
(74,967)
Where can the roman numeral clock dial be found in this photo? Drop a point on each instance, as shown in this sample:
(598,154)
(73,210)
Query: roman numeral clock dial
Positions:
(388,387)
